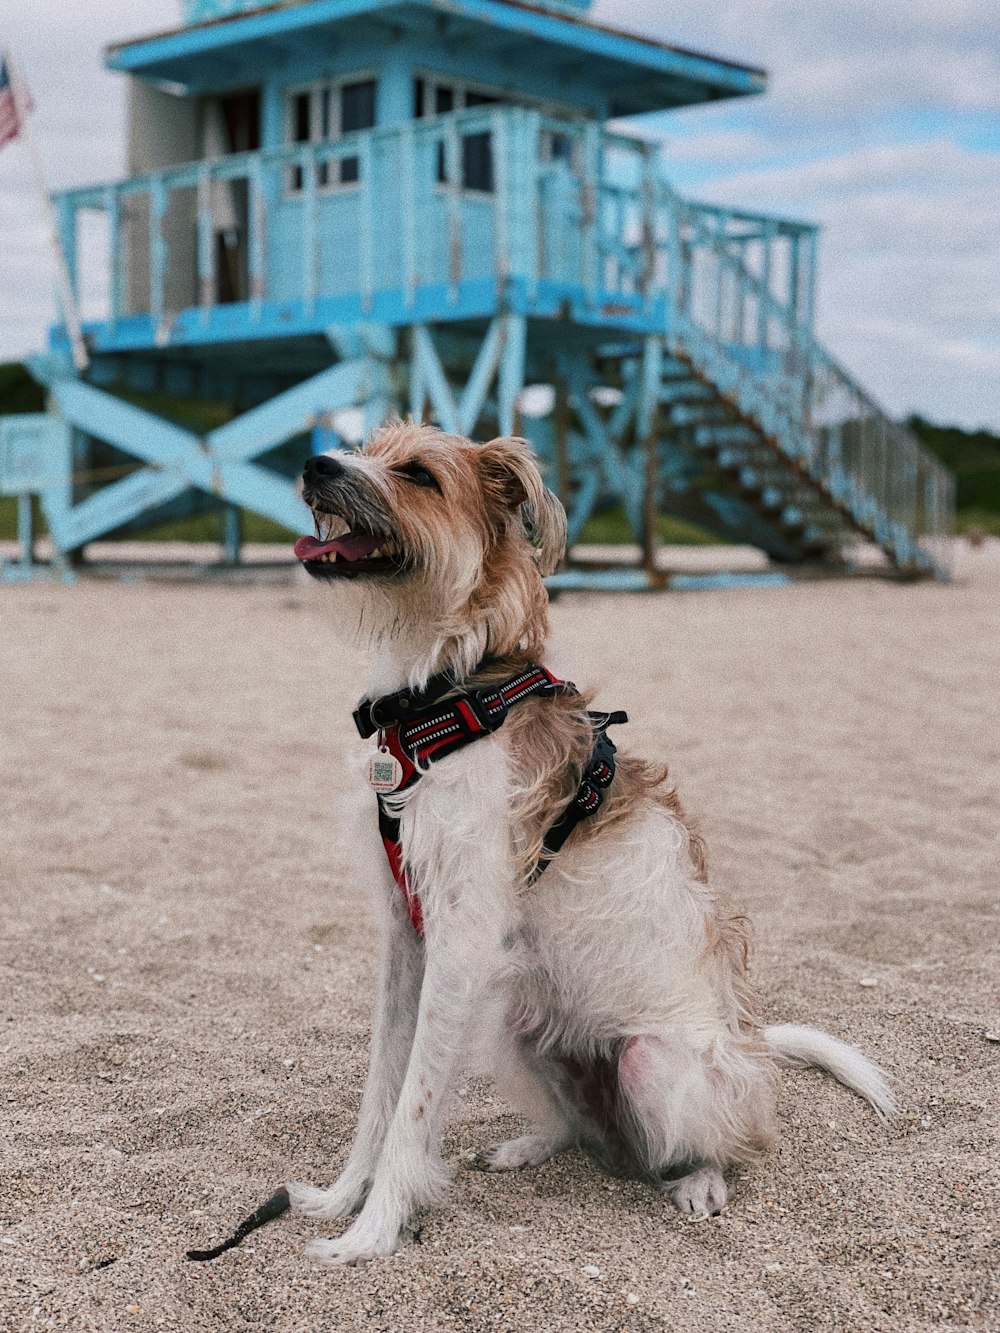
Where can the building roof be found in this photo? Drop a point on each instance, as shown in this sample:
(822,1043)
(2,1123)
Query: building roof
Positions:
(637,74)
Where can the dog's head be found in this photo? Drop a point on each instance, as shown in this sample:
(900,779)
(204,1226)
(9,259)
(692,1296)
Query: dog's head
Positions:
(437,531)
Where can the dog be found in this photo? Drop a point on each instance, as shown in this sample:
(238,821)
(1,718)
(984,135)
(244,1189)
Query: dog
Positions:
(608,986)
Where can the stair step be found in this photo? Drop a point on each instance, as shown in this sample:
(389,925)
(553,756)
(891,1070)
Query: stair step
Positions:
(679,391)
(735,434)
(691,414)
(764,457)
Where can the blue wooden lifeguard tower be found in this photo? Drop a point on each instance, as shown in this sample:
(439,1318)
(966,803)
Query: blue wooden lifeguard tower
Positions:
(340,209)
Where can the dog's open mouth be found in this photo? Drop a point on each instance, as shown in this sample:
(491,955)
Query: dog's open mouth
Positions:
(341,552)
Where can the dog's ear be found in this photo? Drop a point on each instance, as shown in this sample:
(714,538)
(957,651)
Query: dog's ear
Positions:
(512,477)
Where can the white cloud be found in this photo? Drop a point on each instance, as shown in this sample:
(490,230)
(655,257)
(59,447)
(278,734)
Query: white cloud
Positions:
(717,146)
(861,131)
(860,54)
(909,275)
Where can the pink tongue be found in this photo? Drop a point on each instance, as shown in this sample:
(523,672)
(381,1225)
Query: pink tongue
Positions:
(352,546)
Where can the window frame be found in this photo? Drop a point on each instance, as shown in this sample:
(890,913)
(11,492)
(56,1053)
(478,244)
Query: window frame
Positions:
(461,87)
(315,88)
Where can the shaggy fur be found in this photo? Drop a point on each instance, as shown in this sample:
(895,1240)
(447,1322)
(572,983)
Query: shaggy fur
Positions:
(610,996)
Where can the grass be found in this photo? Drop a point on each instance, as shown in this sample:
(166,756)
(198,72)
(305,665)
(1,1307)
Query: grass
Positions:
(974,457)
(977,521)
(612,528)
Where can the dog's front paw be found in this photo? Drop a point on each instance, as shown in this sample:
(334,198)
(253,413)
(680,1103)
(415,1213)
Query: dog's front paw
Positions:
(363,1241)
(700,1195)
(529,1150)
(346,1196)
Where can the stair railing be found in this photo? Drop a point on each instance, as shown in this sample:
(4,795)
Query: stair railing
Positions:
(870,467)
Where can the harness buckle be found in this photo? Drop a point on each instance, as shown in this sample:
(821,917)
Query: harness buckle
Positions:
(489,721)
(378,721)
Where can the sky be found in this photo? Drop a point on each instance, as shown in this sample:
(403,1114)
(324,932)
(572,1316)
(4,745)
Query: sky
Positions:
(881,123)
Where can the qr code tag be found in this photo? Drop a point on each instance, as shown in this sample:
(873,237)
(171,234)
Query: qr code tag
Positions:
(385,772)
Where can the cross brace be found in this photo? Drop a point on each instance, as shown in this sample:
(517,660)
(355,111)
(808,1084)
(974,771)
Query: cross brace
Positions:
(220,463)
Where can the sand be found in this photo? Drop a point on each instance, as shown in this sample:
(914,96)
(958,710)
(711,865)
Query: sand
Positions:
(187,964)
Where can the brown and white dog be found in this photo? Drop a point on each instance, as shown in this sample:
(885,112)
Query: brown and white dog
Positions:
(623,1022)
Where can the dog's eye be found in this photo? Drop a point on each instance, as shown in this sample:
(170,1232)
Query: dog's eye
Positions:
(418,474)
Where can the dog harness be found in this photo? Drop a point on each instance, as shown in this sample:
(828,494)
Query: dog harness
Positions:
(418,730)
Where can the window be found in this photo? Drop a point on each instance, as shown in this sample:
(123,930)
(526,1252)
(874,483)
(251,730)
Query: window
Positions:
(325,112)
(437,98)
(558,147)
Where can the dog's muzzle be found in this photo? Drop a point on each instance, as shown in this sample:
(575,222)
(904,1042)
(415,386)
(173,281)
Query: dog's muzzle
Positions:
(344,546)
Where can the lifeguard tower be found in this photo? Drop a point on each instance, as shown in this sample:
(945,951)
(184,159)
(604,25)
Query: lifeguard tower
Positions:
(340,209)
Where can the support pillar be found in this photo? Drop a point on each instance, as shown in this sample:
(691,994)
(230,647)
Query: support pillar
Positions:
(25,531)
(561,424)
(648,411)
(232,534)
(510,384)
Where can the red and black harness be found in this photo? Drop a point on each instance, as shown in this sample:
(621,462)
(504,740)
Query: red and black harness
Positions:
(420,727)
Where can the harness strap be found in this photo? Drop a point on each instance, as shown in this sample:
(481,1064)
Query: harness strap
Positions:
(598,777)
(373,715)
(437,732)
(469,717)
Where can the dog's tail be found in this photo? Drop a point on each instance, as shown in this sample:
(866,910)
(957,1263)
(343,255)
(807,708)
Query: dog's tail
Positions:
(798,1047)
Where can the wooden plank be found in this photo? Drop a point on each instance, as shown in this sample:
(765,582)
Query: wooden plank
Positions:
(257,218)
(435,382)
(310,237)
(112,207)
(367,224)
(206,244)
(407,148)
(157,248)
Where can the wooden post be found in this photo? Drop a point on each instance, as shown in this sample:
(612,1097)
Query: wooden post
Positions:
(511,373)
(25,527)
(232,534)
(651,372)
(406,146)
(309,232)
(206,244)
(157,250)
(561,420)
(257,218)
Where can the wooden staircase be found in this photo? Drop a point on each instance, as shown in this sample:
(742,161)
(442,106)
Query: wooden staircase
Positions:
(762,436)
(788,435)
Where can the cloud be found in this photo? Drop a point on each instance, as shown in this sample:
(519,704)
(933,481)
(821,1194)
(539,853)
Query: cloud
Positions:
(722,146)
(859,131)
(909,273)
(79,123)
(846,59)
(866,128)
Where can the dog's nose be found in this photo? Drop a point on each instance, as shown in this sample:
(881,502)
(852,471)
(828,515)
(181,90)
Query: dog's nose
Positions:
(321,468)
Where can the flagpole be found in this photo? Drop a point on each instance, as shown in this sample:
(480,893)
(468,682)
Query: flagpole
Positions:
(71,315)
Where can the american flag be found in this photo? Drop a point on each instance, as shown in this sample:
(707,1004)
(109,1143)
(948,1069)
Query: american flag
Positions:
(10,124)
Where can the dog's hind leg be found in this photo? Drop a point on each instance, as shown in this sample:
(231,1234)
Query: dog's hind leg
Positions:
(528,1150)
(398,996)
(691,1114)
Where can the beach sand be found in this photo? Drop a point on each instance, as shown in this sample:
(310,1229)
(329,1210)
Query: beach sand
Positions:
(187,964)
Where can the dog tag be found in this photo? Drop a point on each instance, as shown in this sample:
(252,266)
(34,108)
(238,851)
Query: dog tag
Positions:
(385,772)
